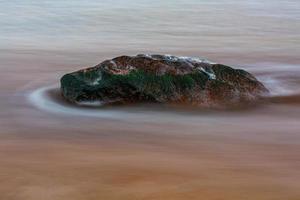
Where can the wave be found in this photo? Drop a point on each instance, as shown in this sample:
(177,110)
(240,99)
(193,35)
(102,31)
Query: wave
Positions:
(48,99)
(281,80)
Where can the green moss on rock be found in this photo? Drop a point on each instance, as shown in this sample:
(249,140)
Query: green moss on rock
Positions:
(136,84)
(160,78)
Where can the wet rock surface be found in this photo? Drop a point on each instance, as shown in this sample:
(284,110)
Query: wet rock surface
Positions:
(163,79)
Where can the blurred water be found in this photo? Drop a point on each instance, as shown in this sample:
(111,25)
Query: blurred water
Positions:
(218,26)
(49,150)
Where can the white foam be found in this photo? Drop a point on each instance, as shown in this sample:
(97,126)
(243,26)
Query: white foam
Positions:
(196,59)
(41,99)
(184,58)
(113,63)
(276,86)
(91,103)
(189,59)
(97,80)
(279,78)
(211,75)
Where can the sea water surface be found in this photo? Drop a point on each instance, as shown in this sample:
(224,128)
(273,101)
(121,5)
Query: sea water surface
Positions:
(51,150)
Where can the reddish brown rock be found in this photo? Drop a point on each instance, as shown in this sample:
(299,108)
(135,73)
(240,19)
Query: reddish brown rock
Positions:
(164,79)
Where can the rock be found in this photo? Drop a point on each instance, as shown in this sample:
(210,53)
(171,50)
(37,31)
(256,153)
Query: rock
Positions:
(164,79)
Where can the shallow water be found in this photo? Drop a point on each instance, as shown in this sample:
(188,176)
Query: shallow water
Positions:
(52,150)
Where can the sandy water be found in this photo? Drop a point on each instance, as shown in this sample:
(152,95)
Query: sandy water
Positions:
(50,150)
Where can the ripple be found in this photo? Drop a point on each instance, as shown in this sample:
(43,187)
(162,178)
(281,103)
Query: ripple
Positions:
(281,79)
(49,99)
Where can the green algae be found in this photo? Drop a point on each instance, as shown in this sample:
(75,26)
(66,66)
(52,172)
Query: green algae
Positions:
(149,82)
(138,83)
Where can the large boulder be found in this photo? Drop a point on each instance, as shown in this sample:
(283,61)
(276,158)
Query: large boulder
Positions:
(164,79)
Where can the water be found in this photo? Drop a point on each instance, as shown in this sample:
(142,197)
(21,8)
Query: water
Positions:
(51,150)
(200,26)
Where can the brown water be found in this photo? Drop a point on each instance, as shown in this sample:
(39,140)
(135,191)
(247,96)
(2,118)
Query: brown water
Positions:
(50,150)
